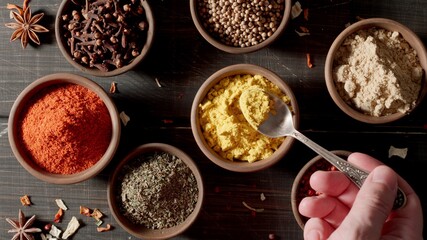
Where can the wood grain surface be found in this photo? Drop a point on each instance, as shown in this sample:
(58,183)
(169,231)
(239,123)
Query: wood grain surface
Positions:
(181,60)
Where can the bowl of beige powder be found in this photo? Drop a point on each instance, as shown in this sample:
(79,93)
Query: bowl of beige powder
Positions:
(220,128)
(375,71)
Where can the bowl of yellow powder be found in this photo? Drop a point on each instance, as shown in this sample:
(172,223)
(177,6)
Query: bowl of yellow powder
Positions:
(375,71)
(64,128)
(220,128)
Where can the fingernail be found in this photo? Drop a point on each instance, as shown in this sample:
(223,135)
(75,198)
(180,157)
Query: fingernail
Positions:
(313,235)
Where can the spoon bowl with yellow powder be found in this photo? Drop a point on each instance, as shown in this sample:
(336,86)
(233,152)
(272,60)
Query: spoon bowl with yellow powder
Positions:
(375,71)
(218,124)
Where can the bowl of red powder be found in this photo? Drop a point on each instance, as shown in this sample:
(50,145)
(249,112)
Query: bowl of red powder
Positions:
(64,128)
(301,187)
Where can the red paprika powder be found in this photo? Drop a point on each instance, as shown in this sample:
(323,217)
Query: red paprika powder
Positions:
(65,129)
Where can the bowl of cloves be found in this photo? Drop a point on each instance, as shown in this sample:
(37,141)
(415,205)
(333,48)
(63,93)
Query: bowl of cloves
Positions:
(104,37)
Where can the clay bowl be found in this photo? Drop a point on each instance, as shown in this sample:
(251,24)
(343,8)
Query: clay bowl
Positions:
(216,42)
(237,165)
(66,7)
(141,231)
(390,25)
(19,149)
(301,186)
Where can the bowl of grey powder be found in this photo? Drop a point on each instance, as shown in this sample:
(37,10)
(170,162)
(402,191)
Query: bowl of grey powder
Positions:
(240,26)
(375,71)
(156,192)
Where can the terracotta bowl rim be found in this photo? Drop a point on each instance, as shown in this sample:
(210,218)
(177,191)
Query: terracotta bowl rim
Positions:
(96,72)
(390,25)
(197,132)
(238,50)
(19,104)
(141,231)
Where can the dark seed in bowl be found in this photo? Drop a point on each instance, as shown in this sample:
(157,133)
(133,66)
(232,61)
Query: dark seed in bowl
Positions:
(105,34)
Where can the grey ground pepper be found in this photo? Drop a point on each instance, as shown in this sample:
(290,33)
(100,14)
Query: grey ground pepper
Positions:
(157,190)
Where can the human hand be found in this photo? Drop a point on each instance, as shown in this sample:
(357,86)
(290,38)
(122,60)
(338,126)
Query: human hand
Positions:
(342,211)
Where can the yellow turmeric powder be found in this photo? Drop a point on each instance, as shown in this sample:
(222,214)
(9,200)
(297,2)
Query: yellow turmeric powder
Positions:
(225,128)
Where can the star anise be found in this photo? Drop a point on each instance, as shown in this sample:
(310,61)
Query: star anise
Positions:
(21,228)
(26,26)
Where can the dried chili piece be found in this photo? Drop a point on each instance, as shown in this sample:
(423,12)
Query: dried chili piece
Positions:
(167,121)
(305,14)
(85,211)
(104,229)
(58,215)
(97,214)
(309,63)
(113,87)
(25,200)
(304,29)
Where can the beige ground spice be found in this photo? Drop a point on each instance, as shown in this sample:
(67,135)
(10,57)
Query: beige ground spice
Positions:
(378,72)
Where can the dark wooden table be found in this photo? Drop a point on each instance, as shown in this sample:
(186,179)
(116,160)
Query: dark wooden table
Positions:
(181,60)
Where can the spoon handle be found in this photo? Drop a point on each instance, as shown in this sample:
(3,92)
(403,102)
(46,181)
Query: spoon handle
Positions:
(355,174)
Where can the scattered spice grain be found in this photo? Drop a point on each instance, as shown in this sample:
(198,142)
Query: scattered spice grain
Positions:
(251,208)
(309,63)
(399,152)
(58,216)
(72,227)
(124,117)
(85,211)
(104,229)
(157,190)
(305,14)
(113,87)
(296,10)
(25,200)
(61,204)
(59,124)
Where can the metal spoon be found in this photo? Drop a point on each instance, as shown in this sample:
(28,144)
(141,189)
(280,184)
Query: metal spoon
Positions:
(279,124)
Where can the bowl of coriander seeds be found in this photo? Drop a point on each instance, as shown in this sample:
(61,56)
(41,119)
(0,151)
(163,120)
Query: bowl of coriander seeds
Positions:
(156,192)
(240,26)
(375,71)
(104,38)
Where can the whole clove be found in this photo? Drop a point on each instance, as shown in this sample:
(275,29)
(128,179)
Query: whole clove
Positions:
(105,34)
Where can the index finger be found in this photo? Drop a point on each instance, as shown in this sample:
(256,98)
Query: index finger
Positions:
(343,189)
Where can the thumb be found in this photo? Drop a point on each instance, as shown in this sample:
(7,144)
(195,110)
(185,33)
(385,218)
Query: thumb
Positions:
(371,207)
